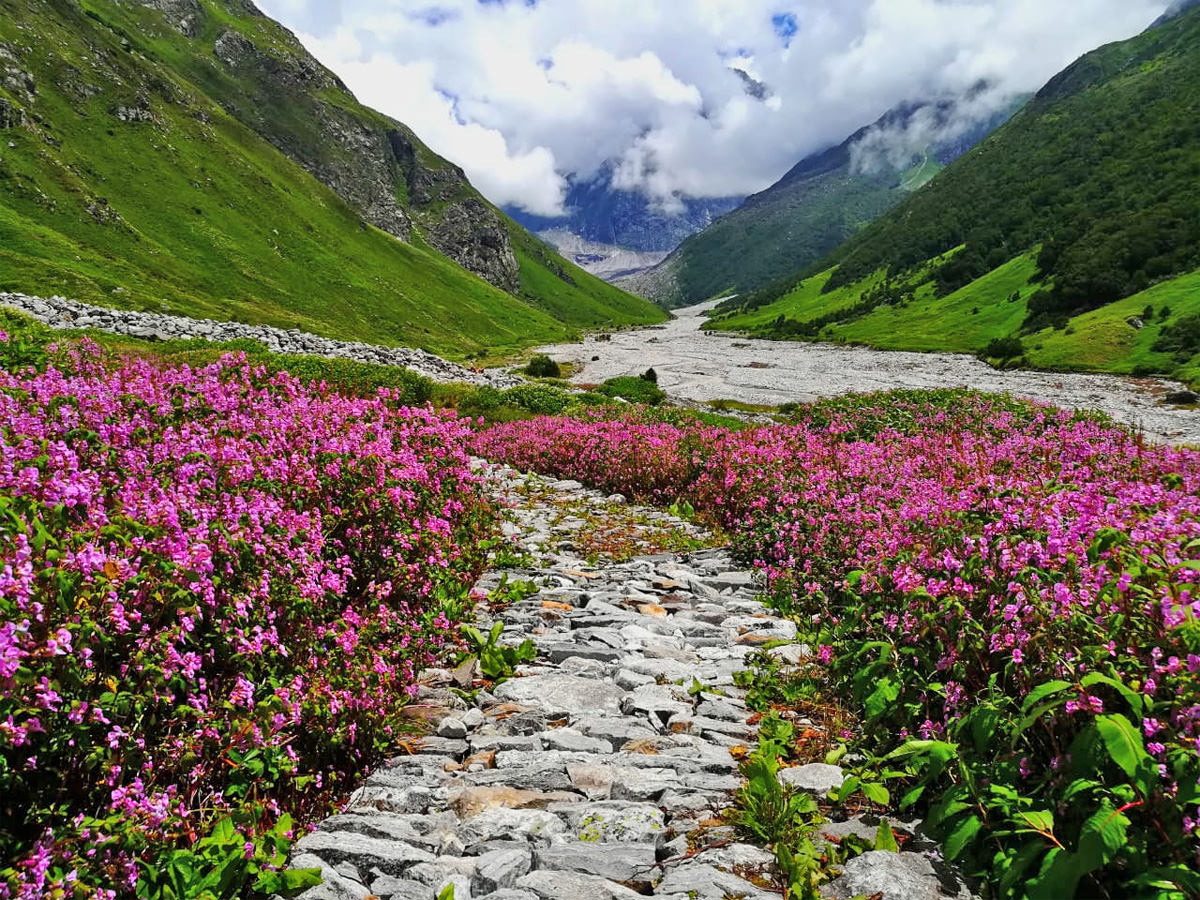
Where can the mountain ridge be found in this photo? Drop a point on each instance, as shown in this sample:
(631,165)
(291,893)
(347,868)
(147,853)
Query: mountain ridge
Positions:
(156,157)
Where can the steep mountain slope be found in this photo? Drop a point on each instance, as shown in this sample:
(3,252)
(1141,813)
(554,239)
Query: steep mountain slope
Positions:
(190,155)
(600,214)
(823,200)
(1095,184)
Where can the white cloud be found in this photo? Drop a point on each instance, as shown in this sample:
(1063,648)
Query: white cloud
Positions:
(520,93)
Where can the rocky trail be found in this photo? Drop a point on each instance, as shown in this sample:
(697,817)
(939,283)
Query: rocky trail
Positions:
(601,769)
(62,313)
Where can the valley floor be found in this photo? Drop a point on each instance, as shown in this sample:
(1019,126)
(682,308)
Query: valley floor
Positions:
(700,366)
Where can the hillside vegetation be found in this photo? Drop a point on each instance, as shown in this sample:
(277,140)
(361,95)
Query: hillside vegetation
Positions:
(1059,230)
(189,156)
(810,211)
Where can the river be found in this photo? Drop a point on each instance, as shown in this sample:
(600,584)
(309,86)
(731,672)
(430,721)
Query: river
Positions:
(704,366)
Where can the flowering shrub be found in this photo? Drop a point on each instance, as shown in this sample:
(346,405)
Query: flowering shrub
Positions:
(1006,591)
(216,588)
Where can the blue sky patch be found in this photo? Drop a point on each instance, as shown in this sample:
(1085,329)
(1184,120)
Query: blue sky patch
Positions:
(785,26)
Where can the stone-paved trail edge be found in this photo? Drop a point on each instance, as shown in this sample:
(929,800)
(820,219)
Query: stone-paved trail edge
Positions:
(594,773)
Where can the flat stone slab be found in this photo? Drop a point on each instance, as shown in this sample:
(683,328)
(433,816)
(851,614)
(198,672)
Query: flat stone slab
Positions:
(898,876)
(563,694)
(816,778)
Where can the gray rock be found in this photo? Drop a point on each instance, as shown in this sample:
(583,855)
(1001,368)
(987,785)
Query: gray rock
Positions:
(333,885)
(500,869)
(365,853)
(562,694)
(703,882)
(627,863)
(533,825)
(613,821)
(817,778)
(569,739)
(898,876)
(387,887)
(574,886)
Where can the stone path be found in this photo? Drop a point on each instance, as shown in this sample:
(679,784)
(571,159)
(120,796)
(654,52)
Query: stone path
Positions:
(595,773)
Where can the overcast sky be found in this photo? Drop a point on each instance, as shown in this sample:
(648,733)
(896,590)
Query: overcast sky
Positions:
(522,92)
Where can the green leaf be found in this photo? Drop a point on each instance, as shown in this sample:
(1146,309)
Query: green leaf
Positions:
(849,786)
(834,756)
(887,689)
(1038,820)
(1042,691)
(876,793)
(962,836)
(885,838)
(1124,743)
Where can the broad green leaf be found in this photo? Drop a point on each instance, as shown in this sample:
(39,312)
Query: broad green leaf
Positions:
(849,786)
(1042,691)
(1124,743)
(962,836)
(886,691)
(876,793)
(1136,703)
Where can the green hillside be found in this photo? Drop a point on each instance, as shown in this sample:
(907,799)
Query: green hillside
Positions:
(1058,231)
(813,209)
(192,158)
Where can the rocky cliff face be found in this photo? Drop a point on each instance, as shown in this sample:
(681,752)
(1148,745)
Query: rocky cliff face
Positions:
(263,76)
(599,212)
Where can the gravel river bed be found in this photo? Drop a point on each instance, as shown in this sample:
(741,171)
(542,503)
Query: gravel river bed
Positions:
(704,366)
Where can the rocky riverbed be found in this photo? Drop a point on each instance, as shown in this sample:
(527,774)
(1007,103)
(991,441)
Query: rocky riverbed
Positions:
(701,366)
(595,773)
(59,312)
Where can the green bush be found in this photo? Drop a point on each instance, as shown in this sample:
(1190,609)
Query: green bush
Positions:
(539,399)
(1181,337)
(635,390)
(1004,348)
(542,366)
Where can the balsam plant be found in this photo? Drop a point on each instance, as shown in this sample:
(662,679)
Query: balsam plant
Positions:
(216,589)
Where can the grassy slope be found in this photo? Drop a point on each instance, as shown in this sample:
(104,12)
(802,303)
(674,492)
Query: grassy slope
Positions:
(214,221)
(1104,339)
(967,319)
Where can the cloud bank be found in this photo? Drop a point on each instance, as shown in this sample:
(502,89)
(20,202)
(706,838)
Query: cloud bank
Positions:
(521,93)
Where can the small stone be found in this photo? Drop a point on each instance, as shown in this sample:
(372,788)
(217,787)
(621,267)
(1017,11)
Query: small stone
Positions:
(500,869)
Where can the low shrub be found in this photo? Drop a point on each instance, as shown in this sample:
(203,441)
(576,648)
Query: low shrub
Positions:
(542,366)
(632,389)
(1004,348)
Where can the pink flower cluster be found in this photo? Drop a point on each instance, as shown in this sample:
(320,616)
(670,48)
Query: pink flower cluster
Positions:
(989,549)
(216,588)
